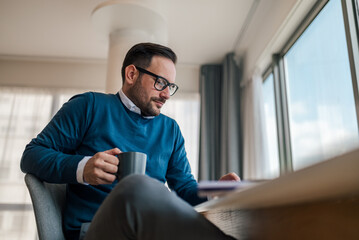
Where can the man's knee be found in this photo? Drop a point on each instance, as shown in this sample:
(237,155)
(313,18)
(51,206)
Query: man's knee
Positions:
(136,180)
(137,188)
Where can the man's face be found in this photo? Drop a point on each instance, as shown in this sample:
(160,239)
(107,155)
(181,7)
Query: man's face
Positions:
(143,93)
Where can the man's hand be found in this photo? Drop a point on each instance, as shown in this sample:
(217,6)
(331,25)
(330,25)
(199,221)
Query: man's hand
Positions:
(101,167)
(230,177)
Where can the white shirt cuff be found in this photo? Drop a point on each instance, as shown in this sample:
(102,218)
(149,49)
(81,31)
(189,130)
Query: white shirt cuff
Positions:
(80,170)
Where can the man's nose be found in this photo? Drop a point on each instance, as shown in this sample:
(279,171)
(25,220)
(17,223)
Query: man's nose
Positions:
(165,93)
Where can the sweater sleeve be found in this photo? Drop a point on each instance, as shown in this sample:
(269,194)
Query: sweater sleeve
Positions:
(179,176)
(51,156)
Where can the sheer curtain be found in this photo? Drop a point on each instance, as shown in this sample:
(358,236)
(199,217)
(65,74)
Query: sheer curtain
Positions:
(220,134)
(24,113)
(255,150)
(184,108)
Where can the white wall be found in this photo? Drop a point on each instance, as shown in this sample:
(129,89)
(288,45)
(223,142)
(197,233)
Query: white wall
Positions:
(52,73)
(75,73)
(272,24)
(267,19)
(187,78)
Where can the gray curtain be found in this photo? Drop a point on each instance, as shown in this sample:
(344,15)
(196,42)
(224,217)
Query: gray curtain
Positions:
(220,133)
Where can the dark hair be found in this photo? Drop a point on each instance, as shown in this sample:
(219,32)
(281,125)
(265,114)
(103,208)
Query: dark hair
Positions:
(141,55)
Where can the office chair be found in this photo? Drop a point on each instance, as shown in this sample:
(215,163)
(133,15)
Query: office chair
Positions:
(48,201)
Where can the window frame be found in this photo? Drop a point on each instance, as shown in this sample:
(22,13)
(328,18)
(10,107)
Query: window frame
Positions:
(351,22)
(265,75)
(352,31)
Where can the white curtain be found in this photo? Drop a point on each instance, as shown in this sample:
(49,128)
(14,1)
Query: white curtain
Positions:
(24,112)
(185,109)
(255,150)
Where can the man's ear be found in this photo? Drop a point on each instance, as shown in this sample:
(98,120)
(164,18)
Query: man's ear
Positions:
(131,74)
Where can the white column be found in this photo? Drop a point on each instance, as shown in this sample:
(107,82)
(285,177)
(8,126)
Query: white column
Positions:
(124,24)
(120,42)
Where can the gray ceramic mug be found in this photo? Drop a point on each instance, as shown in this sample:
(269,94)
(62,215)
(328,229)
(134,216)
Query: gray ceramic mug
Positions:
(131,163)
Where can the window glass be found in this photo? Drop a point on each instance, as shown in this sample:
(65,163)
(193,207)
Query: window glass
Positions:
(271,127)
(321,104)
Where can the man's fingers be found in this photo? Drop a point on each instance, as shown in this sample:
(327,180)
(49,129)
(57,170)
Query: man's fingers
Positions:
(113,151)
(108,164)
(103,177)
(95,174)
(230,177)
(101,167)
(106,157)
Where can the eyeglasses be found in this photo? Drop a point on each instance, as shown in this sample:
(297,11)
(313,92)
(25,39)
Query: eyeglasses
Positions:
(160,83)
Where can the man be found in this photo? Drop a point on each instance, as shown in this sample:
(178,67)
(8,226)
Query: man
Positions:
(79,147)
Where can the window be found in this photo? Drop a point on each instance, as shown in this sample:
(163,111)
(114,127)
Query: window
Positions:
(271,126)
(321,106)
(24,113)
(185,110)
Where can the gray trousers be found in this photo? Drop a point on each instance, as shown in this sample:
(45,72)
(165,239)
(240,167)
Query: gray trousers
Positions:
(142,208)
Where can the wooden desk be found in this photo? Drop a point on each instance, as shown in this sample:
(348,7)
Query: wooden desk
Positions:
(319,202)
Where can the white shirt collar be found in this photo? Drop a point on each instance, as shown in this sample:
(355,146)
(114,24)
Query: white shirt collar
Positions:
(130,105)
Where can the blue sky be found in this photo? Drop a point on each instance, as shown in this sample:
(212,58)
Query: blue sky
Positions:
(320,92)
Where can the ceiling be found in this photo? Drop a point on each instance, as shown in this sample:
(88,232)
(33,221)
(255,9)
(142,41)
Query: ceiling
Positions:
(200,31)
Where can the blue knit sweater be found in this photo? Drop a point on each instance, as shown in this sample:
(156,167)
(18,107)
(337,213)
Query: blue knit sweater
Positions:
(95,122)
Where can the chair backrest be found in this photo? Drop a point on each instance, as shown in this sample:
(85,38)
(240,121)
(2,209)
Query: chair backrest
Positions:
(48,201)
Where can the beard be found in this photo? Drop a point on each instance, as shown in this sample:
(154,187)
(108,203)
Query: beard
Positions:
(139,96)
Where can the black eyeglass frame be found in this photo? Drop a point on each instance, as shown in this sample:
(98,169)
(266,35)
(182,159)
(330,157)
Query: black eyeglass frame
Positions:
(168,84)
